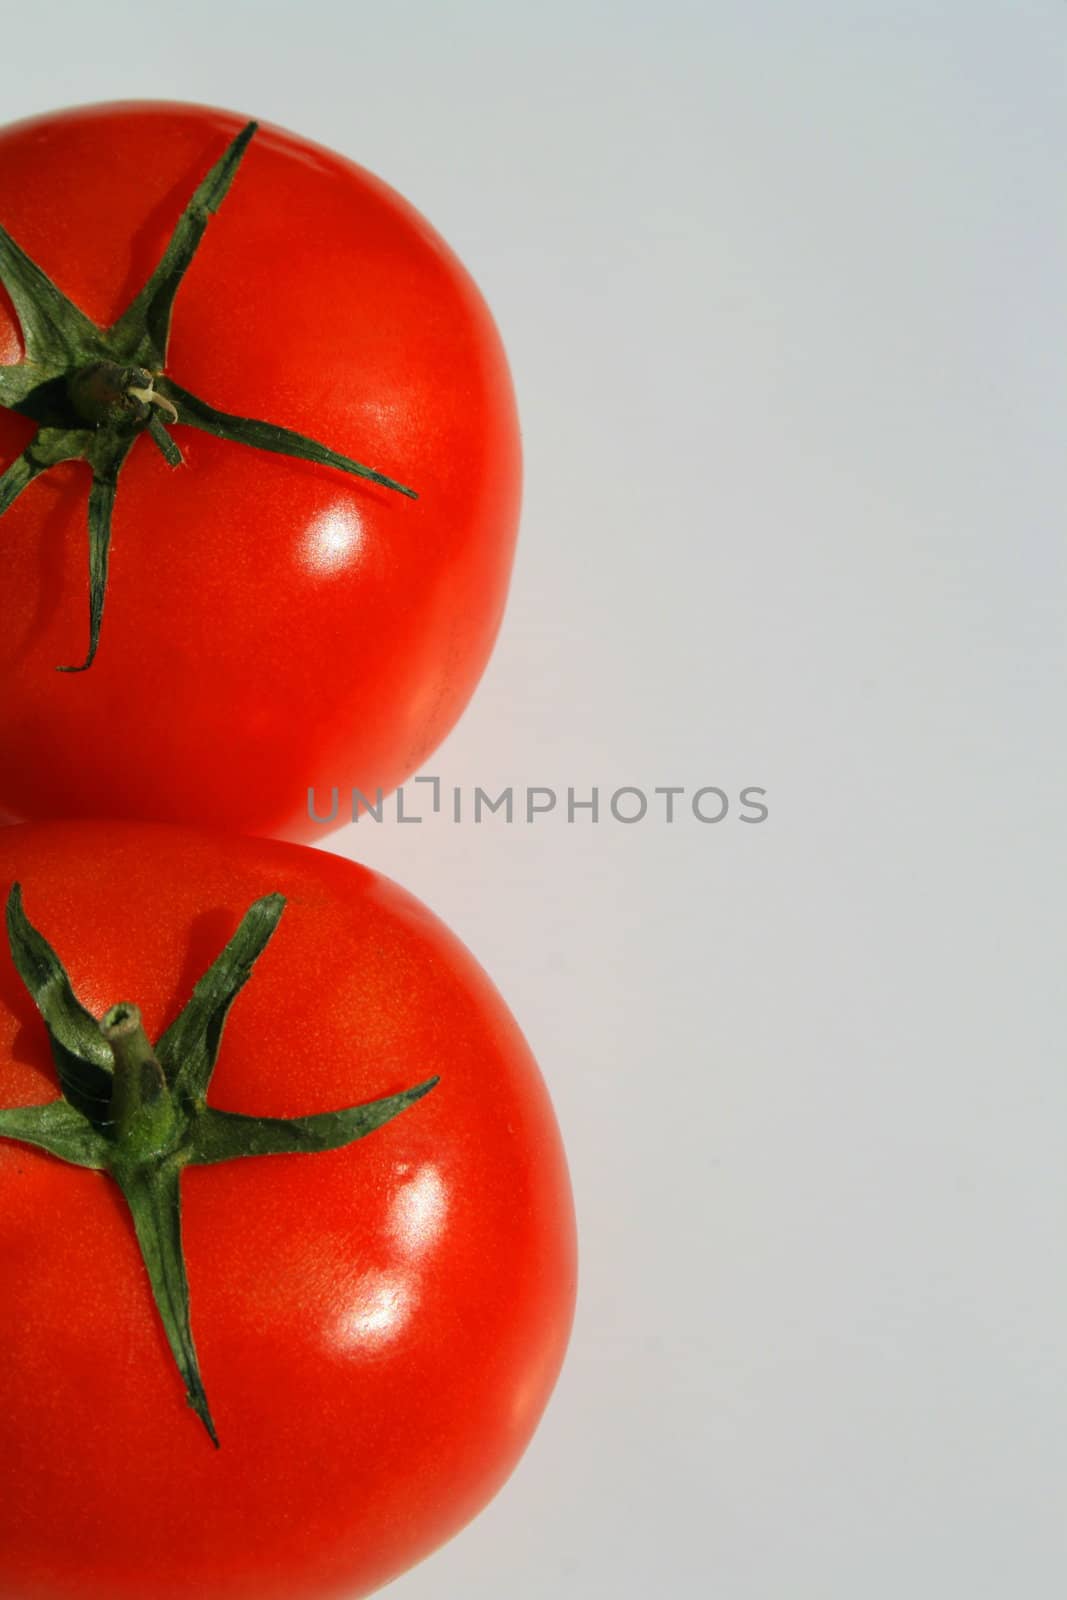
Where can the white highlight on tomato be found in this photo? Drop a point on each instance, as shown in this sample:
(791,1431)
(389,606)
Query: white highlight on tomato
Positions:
(382,1304)
(332,540)
(417,1213)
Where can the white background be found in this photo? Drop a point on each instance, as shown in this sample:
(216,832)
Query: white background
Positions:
(783,289)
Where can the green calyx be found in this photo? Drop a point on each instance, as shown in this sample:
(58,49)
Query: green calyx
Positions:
(93,390)
(141,1114)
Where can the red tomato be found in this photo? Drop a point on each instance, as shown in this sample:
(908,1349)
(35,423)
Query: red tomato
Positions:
(270,624)
(379,1327)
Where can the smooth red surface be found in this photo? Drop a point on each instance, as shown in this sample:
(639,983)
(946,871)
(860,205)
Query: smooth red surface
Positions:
(379,1327)
(270,625)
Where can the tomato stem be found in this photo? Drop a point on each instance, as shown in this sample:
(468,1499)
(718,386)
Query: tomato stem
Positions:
(106,392)
(141,1104)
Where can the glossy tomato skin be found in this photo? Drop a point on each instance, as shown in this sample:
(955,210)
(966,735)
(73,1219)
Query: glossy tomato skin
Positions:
(270,625)
(378,1327)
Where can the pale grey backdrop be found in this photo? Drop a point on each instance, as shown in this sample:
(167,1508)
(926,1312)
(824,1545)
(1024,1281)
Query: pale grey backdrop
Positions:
(783,289)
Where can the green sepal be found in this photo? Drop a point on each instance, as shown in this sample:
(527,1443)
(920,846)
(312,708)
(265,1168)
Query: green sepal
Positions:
(142,332)
(55,332)
(189,1049)
(153,1195)
(225,1135)
(196,413)
(82,1056)
(141,1115)
(19,475)
(20,381)
(58,385)
(106,456)
(160,437)
(47,448)
(59,1129)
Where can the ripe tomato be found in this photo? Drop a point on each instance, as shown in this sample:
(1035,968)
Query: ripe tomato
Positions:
(270,624)
(378,1327)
